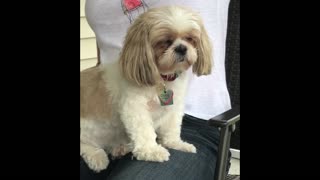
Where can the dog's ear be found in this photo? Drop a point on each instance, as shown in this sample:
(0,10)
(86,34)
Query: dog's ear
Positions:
(137,63)
(203,65)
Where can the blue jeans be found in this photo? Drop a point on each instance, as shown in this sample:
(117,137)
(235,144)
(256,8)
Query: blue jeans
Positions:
(181,165)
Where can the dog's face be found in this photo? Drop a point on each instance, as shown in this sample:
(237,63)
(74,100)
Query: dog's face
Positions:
(175,45)
(163,41)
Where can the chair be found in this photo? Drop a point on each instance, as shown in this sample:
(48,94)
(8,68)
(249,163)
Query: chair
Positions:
(227,121)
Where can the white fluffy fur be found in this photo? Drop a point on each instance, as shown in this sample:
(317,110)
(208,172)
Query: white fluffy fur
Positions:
(120,116)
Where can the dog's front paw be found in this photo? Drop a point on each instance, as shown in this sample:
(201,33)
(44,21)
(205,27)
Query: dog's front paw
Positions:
(97,161)
(154,153)
(182,146)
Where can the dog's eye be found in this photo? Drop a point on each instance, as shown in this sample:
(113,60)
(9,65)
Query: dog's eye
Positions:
(168,42)
(189,39)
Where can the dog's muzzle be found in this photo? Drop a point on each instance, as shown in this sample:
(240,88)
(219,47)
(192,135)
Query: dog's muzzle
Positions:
(181,51)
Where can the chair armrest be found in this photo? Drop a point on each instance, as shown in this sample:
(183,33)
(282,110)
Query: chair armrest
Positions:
(226,121)
(227,118)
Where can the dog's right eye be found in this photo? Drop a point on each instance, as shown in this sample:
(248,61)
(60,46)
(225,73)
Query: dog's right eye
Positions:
(168,42)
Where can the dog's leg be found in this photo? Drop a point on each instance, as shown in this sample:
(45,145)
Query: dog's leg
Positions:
(139,127)
(96,158)
(169,134)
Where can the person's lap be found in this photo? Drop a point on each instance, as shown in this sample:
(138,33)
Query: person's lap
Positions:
(181,165)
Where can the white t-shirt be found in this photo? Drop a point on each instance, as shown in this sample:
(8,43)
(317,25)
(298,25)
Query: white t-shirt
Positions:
(207,95)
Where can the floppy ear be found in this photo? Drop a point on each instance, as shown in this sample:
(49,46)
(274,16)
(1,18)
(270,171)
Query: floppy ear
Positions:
(137,62)
(203,64)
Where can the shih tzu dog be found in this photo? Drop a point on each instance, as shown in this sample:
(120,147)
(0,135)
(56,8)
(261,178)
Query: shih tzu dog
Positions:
(137,104)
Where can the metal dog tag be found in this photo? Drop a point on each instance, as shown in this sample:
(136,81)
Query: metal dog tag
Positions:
(166,97)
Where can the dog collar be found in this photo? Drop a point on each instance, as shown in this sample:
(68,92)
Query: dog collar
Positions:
(169,77)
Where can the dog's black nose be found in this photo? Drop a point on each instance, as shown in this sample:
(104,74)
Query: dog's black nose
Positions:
(181,49)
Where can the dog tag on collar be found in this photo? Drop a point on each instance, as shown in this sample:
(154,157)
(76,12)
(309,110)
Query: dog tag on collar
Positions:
(166,97)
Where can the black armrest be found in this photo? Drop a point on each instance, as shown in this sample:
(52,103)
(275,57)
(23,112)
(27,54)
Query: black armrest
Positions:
(226,121)
(227,118)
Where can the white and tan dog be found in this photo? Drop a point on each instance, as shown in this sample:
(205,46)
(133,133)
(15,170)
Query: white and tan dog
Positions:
(137,104)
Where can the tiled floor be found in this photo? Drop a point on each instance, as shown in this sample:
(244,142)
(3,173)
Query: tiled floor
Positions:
(235,166)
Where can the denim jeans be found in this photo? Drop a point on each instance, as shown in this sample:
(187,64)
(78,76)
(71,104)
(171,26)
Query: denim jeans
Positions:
(181,165)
